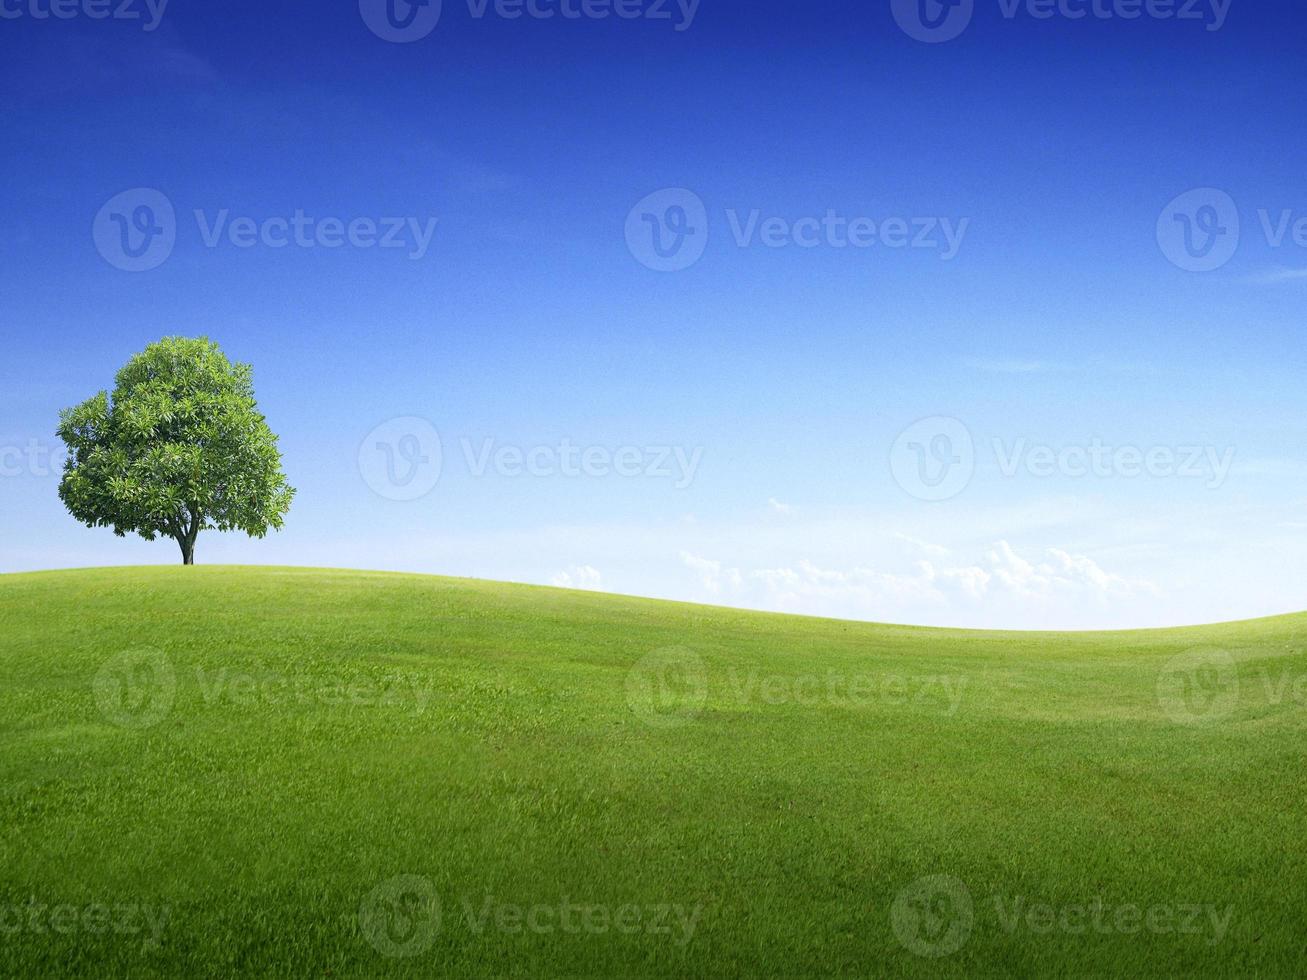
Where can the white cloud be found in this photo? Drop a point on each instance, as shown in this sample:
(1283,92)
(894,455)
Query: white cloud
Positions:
(1061,573)
(778,508)
(585,577)
(934,550)
(1002,579)
(1045,563)
(712,576)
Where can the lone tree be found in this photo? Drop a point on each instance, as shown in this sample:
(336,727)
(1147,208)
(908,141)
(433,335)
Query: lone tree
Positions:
(179,448)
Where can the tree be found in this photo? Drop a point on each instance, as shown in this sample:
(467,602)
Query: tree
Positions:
(179,448)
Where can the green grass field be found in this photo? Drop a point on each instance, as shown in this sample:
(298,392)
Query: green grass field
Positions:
(210,771)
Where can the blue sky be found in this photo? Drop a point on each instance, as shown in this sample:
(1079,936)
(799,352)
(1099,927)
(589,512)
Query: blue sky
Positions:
(761,397)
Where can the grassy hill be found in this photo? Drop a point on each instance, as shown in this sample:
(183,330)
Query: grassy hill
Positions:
(303,772)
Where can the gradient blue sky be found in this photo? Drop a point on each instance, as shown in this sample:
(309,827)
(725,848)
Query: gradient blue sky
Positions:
(529,320)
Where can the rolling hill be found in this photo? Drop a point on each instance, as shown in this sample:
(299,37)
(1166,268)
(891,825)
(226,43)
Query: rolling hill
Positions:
(304,772)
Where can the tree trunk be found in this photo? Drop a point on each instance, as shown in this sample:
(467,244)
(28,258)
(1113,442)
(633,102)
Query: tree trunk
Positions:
(186,533)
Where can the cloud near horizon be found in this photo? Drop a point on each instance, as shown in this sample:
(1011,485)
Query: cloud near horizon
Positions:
(1003,576)
(584,577)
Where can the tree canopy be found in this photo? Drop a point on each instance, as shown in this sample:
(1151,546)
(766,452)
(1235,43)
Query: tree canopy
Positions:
(178,448)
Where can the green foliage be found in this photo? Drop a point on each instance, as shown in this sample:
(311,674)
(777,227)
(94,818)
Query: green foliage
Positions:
(180,447)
